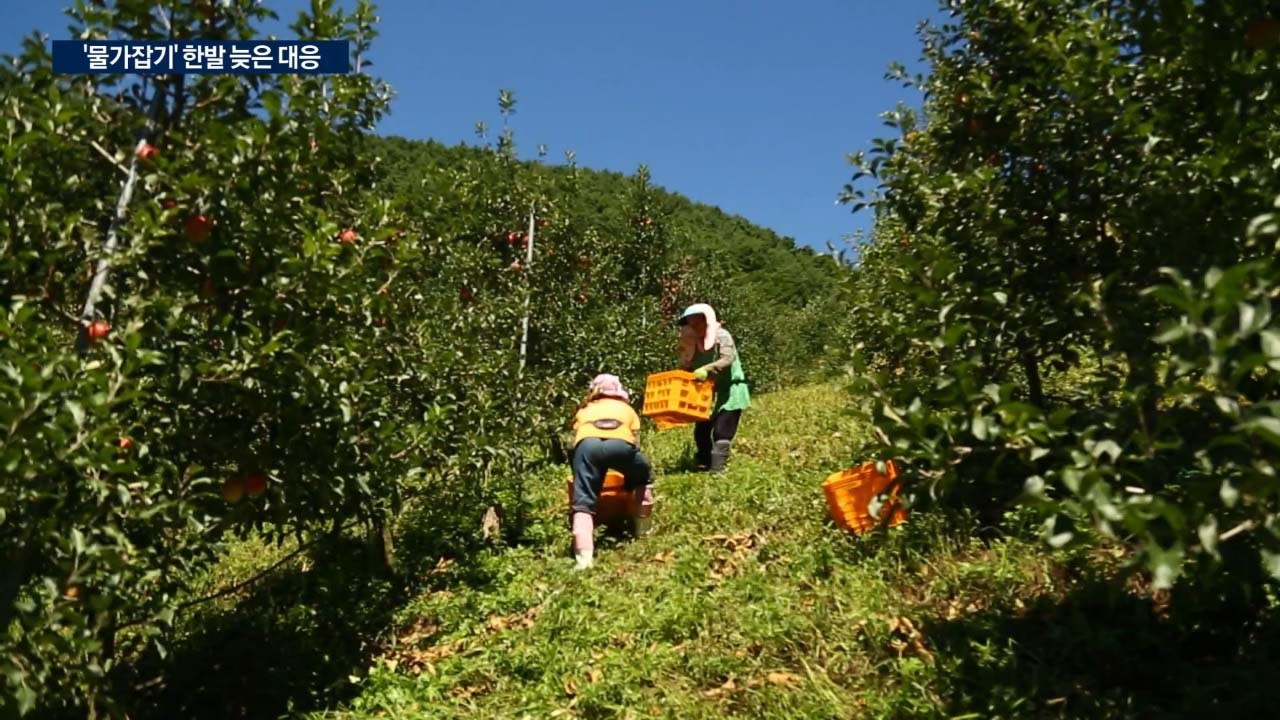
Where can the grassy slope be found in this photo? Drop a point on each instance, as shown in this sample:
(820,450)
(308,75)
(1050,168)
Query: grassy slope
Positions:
(743,603)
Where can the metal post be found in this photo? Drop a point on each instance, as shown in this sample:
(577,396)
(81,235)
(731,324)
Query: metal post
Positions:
(528,263)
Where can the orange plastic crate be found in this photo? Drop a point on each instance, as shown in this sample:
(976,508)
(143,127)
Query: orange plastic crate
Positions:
(662,422)
(849,493)
(674,398)
(615,504)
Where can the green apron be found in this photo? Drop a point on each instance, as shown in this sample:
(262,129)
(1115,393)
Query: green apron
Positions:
(731,387)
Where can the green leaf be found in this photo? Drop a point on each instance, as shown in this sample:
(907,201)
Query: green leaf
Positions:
(1267,425)
(26,699)
(1229,494)
(1174,296)
(1271,346)
(1270,563)
(1105,447)
(1175,332)
(271,101)
(979,426)
(1208,533)
(77,412)
(1227,406)
(1248,315)
(1056,537)
(1166,566)
(1034,486)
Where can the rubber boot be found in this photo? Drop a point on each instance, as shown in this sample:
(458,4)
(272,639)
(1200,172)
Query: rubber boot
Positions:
(701,462)
(584,541)
(701,455)
(720,455)
(644,520)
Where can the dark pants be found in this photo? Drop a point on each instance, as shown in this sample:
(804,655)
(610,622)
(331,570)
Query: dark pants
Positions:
(593,457)
(722,427)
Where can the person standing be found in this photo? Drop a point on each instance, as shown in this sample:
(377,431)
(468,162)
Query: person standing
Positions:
(708,350)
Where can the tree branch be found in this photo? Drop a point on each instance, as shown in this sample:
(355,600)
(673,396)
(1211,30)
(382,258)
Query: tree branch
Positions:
(243,583)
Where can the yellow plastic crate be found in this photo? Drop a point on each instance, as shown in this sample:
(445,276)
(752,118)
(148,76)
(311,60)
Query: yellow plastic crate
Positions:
(675,398)
(849,494)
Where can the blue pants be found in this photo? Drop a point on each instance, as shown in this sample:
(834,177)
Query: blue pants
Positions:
(593,457)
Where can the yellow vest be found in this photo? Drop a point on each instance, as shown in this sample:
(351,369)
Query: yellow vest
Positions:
(606,418)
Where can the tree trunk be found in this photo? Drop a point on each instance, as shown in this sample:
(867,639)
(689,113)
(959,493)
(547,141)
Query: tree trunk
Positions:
(381,546)
(11,582)
(1031,368)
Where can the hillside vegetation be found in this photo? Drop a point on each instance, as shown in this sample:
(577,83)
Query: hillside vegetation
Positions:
(774,294)
(223,319)
(282,402)
(744,602)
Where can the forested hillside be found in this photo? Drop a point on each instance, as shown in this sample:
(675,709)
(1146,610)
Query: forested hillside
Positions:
(776,295)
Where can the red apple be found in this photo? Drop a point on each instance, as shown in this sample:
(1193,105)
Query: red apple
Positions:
(98,329)
(516,266)
(233,490)
(198,228)
(1262,33)
(255,484)
(582,297)
(125,443)
(347,236)
(147,151)
(168,203)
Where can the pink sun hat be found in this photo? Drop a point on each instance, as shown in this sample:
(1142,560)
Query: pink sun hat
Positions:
(605,385)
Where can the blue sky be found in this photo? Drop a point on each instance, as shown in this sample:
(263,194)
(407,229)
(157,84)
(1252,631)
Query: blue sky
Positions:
(749,106)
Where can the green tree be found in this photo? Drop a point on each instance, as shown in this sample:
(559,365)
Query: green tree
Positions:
(1070,157)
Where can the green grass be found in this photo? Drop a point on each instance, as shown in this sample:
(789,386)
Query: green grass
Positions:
(745,602)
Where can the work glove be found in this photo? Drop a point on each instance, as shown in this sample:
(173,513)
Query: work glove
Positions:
(700,374)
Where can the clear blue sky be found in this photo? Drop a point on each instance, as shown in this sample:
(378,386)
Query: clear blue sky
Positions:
(749,106)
